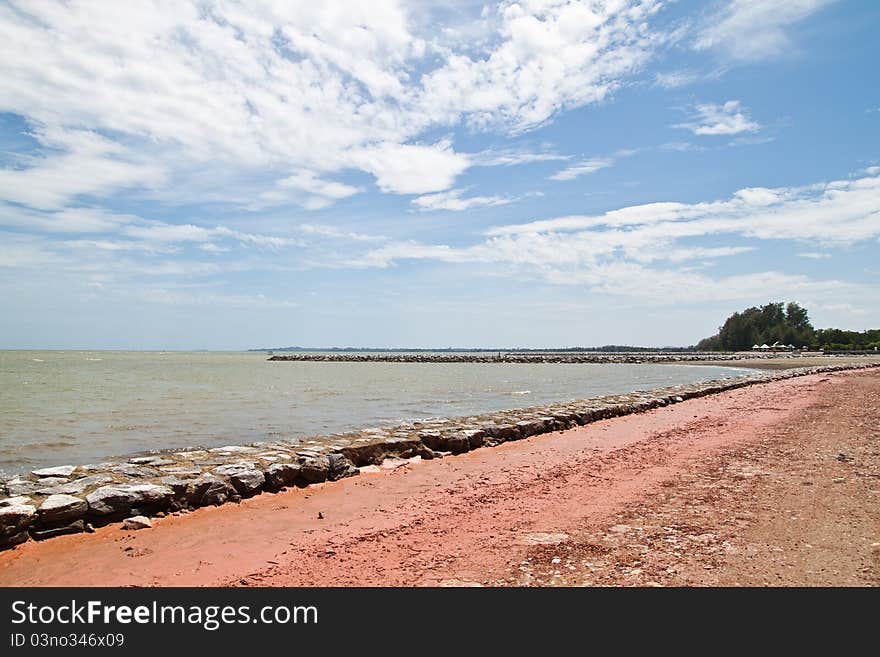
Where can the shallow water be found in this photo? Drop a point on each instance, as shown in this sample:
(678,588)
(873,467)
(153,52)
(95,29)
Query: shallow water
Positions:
(84,406)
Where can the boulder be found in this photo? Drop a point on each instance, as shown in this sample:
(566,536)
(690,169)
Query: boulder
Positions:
(75,527)
(500,433)
(314,469)
(281,475)
(340,467)
(246,479)
(137,522)
(134,471)
(150,460)
(14,522)
(457,443)
(475,437)
(77,485)
(58,471)
(120,498)
(18,499)
(59,508)
(207,490)
(19,486)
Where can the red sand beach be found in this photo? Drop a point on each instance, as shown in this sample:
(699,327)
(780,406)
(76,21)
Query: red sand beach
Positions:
(774,484)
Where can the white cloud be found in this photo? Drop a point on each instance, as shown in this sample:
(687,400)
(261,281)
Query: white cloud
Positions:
(648,249)
(814,255)
(411,168)
(754,29)
(675,79)
(307,189)
(512,157)
(729,118)
(833,213)
(75,163)
(582,168)
(453,201)
(291,94)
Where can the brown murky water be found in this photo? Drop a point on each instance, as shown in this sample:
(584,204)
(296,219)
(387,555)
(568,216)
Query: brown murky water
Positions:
(80,406)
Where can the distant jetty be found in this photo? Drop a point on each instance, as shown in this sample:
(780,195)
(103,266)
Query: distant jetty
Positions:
(521,357)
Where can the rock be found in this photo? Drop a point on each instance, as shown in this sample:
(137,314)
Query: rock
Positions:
(77,485)
(52,481)
(314,469)
(340,467)
(457,443)
(40,534)
(233,449)
(120,498)
(208,490)
(58,471)
(14,522)
(137,522)
(183,471)
(150,460)
(135,471)
(246,479)
(19,486)
(530,427)
(281,475)
(89,528)
(475,437)
(18,499)
(57,508)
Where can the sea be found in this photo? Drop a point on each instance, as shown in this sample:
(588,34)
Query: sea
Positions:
(75,407)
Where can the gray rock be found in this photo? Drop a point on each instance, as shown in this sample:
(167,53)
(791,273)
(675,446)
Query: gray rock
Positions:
(340,467)
(246,479)
(19,486)
(14,521)
(18,499)
(314,469)
(120,498)
(137,522)
(207,490)
(75,527)
(58,508)
(475,437)
(77,485)
(281,475)
(52,481)
(150,460)
(135,471)
(58,471)
(183,471)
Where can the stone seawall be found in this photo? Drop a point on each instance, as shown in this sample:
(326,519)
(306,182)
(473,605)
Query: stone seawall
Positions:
(516,357)
(70,499)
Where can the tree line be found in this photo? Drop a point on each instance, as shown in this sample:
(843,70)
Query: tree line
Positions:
(787,324)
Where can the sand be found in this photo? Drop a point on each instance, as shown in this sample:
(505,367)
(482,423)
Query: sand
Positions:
(771,484)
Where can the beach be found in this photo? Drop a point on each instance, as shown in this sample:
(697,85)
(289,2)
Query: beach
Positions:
(775,483)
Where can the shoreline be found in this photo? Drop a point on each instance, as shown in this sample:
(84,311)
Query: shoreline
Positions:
(53,502)
(698,492)
(70,499)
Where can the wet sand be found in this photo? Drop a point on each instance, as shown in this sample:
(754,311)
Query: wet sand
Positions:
(770,484)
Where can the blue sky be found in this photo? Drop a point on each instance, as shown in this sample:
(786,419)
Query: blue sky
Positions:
(229,175)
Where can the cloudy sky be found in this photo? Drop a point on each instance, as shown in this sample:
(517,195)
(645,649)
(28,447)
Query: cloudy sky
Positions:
(242,174)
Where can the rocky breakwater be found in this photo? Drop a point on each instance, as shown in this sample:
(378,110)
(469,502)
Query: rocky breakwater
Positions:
(502,357)
(70,499)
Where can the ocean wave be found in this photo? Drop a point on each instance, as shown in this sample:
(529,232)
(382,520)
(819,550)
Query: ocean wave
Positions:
(521,392)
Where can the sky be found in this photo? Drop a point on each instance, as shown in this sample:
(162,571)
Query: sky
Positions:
(229,175)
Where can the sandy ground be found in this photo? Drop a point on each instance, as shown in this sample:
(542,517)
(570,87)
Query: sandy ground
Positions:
(773,484)
(785,362)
